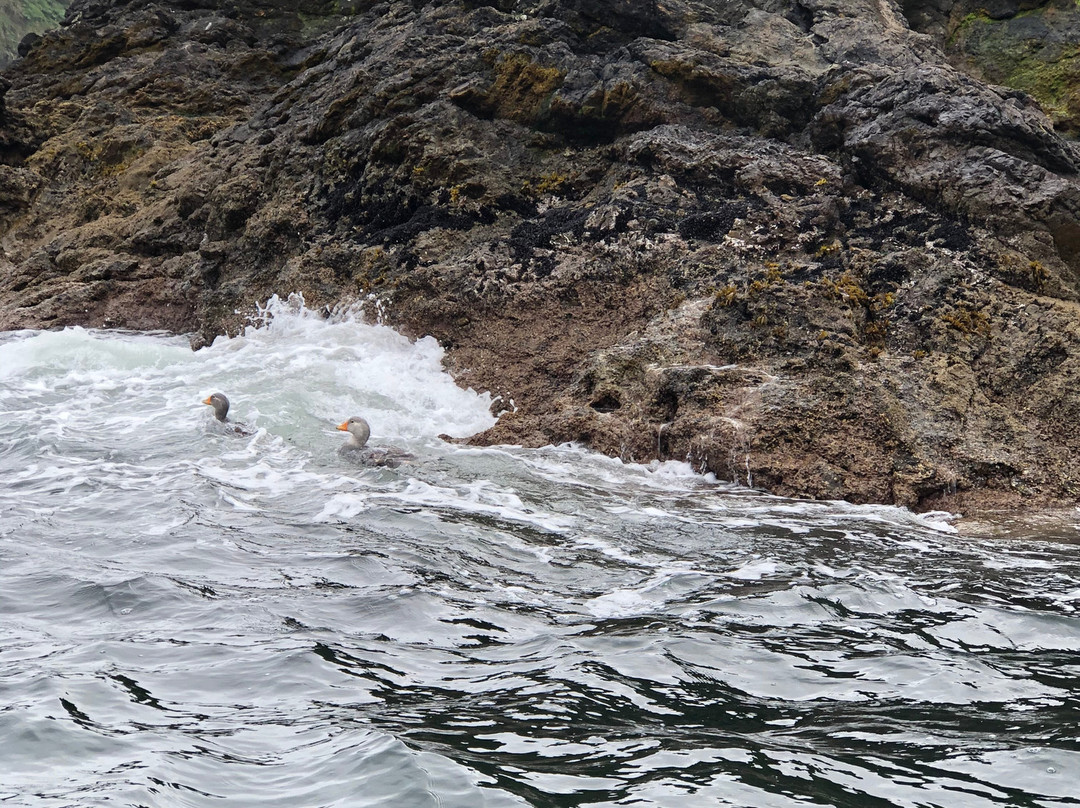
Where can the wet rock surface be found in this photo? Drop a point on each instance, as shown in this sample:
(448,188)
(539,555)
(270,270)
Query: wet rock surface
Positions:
(792,242)
(1030,45)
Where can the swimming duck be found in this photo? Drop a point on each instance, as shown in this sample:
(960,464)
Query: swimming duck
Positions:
(356,447)
(221,412)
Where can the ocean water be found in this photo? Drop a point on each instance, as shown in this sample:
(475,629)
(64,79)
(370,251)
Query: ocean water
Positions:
(191,617)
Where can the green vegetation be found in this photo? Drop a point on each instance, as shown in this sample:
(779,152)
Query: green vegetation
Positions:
(20,17)
(1020,53)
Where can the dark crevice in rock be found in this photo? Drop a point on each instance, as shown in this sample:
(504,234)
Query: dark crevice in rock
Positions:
(801,16)
(606,403)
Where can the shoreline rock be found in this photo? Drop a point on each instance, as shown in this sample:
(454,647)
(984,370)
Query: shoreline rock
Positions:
(790,242)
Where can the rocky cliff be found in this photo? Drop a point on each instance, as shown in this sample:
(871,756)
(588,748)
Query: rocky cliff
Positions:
(801,243)
(22,18)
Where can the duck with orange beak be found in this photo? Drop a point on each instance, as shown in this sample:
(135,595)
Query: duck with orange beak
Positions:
(356,448)
(221,411)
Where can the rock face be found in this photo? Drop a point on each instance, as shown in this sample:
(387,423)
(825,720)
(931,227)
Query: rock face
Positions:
(788,240)
(1025,44)
(22,21)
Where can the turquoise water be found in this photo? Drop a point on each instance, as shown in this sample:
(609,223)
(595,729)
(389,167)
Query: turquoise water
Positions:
(189,617)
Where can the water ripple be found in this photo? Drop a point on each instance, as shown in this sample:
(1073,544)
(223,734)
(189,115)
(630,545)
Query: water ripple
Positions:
(191,618)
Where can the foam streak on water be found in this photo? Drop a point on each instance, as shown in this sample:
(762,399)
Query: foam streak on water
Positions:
(190,617)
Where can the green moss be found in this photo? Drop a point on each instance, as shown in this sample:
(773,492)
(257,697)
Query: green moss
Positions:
(964,27)
(1053,84)
(316,21)
(21,17)
(1019,53)
(42,14)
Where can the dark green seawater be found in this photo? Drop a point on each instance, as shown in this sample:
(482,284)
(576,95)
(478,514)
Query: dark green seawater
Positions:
(190,617)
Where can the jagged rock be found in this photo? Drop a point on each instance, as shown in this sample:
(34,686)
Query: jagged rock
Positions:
(786,241)
(1029,45)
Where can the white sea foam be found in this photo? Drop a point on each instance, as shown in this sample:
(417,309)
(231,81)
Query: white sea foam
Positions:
(297,365)
(621,603)
(755,570)
(163,579)
(120,409)
(649,596)
(480,497)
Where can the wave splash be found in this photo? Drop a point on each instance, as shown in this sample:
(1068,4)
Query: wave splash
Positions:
(210,617)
